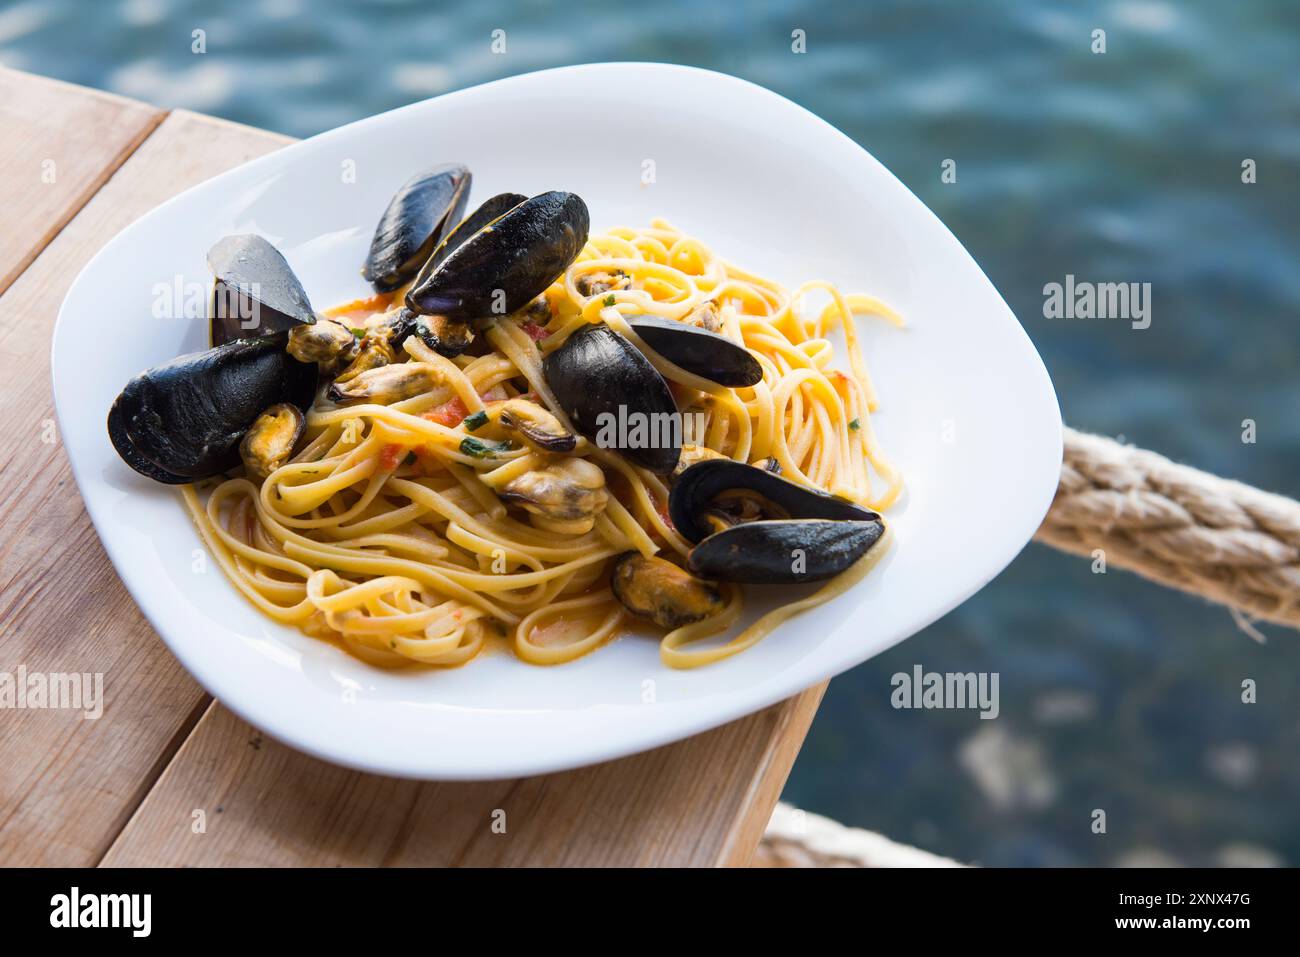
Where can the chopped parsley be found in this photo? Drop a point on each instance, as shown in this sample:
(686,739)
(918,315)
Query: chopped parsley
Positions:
(479,449)
(610,300)
(359,333)
(476,421)
(855,425)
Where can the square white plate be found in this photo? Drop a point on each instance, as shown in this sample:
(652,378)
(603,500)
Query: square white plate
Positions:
(967,409)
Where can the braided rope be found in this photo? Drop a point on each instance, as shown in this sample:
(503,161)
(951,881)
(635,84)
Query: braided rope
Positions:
(1173,524)
(798,838)
(1178,526)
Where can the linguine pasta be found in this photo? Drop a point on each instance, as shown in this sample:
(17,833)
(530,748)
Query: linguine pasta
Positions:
(385,532)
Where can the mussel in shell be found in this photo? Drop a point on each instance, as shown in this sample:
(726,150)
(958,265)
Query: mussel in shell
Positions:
(326,341)
(709,355)
(507,262)
(752,526)
(615,397)
(184,420)
(271,438)
(422,212)
(254,292)
(447,337)
(490,210)
(783,552)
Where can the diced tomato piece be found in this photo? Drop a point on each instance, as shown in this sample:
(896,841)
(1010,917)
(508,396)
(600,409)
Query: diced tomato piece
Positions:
(390,456)
(534,331)
(449,413)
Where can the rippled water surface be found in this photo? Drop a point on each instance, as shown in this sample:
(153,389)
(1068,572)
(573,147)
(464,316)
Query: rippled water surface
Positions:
(1122,166)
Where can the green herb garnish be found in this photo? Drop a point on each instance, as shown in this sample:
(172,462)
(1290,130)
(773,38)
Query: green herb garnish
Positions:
(359,333)
(476,421)
(610,300)
(855,425)
(479,449)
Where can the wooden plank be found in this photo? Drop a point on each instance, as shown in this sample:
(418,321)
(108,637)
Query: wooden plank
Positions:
(58,145)
(68,785)
(704,801)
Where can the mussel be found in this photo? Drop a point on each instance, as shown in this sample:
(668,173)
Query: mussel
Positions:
(490,210)
(386,384)
(754,527)
(447,337)
(506,263)
(326,341)
(254,292)
(565,490)
(271,438)
(709,355)
(184,420)
(418,217)
(615,397)
(654,588)
(534,424)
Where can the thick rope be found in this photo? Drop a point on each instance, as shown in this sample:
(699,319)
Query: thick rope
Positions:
(1178,526)
(797,838)
(1175,525)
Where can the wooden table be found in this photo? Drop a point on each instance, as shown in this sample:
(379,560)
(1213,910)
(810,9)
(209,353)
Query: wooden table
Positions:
(76,166)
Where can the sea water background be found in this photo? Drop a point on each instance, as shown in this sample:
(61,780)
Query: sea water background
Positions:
(1123,166)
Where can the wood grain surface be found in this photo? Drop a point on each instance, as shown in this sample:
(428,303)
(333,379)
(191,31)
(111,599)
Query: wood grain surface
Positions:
(167,776)
(60,143)
(67,785)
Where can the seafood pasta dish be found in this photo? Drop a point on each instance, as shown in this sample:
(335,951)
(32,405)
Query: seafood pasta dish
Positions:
(529,435)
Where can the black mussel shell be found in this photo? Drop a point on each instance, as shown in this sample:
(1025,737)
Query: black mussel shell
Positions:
(699,485)
(784,552)
(706,354)
(508,263)
(419,215)
(615,397)
(184,420)
(491,209)
(254,292)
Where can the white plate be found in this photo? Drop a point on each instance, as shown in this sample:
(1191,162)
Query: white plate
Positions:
(967,409)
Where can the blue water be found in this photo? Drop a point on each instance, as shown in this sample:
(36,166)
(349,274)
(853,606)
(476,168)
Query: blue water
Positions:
(1122,166)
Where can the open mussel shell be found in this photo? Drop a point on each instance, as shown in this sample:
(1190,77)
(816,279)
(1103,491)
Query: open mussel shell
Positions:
(447,337)
(783,552)
(491,209)
(417,219)
(184,420)
(615,397)
(695,490)
(804,535)
(700,352)
(254,292)
(507,263)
